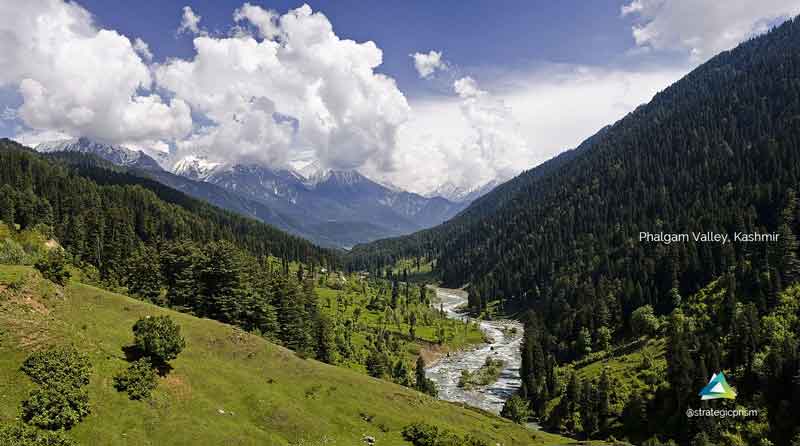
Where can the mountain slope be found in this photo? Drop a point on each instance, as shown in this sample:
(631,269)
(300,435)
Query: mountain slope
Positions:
(716,152)
(708,145)
(339,208)
(226,387)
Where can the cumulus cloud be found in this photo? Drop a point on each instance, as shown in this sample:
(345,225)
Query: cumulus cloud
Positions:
(466,87)
(702,28)
(265,20)
(481,143)
(78,80)
(428,64)
(190,22)
(515,122)
(143,49)
(294,87)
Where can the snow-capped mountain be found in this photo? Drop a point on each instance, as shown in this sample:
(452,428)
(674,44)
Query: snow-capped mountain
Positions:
(460,194)
(339,207)
(121,156)
(194,167)
(330,207)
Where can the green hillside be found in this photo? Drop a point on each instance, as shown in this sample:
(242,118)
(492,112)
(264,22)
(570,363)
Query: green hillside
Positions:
(227,387)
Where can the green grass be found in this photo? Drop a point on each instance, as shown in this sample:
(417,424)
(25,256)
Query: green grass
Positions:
(635,367)
(458,335)
(227,387)
(417,272)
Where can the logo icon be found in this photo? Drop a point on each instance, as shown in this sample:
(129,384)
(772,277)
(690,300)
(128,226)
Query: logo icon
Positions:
(716,388)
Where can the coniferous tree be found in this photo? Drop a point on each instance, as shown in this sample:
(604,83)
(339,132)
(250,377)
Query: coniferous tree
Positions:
(7,205)
(326,349)
(143,274)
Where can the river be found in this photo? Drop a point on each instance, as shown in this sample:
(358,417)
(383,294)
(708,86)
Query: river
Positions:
(504,343)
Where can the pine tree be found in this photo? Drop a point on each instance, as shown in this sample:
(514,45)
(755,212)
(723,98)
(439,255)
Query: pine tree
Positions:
(421,382)
(788,245)
(400,374)
(604,402)
(395,293)
(292,317)
(221,284)
(326,349)
(7,205)
(143,275)
(583,344)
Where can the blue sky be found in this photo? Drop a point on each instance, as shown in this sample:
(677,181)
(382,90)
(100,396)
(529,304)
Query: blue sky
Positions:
(470,33)
(493,87)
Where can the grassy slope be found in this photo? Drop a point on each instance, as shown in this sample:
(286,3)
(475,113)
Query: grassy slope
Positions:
(459,336)
(268,395)
(625,369)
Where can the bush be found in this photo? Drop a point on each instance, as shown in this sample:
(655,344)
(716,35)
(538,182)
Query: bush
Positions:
(643,321)
(421,434)
(58,366)
(139,379)
(158,337)
(22,435)
(53,267)
(55,406)
(12,253)
(516,409)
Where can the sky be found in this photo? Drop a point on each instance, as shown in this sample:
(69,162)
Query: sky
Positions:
(418,94)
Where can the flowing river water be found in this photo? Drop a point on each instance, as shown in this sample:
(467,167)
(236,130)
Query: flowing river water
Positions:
(504,340)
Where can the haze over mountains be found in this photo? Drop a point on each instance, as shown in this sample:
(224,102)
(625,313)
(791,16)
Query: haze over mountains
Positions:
(333,208)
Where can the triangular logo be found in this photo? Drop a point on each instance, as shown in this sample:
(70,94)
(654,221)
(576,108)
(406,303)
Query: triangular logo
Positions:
(717,387)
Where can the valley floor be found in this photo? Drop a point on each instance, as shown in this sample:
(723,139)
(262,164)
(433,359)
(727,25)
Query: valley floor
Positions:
(228,387)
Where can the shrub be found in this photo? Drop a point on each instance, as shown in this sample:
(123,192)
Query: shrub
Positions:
(58,366)
(139,379)
(421,434)
(516,409)
(53,267)
(55,406)
(12,253)
(643,321)
(23,435)
(158,337)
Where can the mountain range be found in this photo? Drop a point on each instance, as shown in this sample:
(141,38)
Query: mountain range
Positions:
(333,208)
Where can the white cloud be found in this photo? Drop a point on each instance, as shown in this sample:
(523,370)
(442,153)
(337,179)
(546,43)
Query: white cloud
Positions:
(466,141)
(702,28)
(8,114)
(190,22)
(428,64)
(77,80)
(515,122)
(265,20)
(632,7)
(295,87)
(143,49)
(466,87)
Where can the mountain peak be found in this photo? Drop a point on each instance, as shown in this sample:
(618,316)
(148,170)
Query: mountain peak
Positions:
(195,167)
(461,194)
(115,154)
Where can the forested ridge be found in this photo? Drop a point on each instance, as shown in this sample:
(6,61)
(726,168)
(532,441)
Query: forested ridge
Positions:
(102,214)
(717,151)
